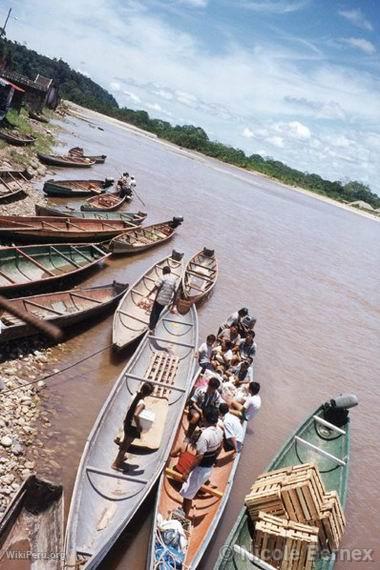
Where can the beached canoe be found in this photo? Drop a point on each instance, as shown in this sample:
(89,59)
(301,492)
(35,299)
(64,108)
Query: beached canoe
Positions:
(12,136)
(135,217)
(31,529)
(105,202)
(208,505)
(13,185)
(144,238)
(76,188)
(46,229)
(63,308)
(104,501)
(315,441)
(200,276)
(65,160)
(32,267)
(131,317)
(38,117)
(78,151)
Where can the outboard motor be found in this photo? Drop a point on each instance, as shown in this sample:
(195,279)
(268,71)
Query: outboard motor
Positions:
(336,411)
(108,182)
(176,255)
(176,221)
(208,252)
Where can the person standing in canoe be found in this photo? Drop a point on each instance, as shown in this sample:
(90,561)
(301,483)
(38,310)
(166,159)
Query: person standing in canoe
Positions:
(166,290)
(208,448)
(132,427)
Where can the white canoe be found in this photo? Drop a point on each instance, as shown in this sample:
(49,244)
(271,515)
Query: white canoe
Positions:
(131,320)
(200,275)
(104,501)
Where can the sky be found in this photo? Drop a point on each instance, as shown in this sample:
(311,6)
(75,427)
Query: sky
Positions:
(295,80)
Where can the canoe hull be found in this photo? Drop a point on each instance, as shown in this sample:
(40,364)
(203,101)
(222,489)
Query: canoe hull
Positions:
(70,187)
(200,276)
(104,501)
(142,239)
(65,161)
(135,217)
(104,297)
(16,140)
(97,203)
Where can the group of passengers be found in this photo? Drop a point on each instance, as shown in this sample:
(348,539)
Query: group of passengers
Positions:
(126,185)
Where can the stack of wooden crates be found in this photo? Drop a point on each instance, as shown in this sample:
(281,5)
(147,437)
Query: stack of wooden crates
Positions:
(294,516)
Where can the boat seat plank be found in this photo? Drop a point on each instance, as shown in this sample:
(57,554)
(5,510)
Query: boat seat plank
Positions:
(170,341)
(80,252)
(81,296)
(202,266)
(65,257)
(141,379)
(34,261)
(320,451)
(44,307)
(145,322)
(115,475)
(49,225)
(7,277)
(199,275)
(329,425)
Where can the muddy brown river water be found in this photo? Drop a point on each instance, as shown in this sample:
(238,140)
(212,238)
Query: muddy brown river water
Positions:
(310,273)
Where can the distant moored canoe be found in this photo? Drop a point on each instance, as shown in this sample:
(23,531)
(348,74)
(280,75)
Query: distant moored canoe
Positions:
(76,188)
(13,185)
(135,217)
(31,267)
(16,138)
(105,202)
(200,276)
(78,151)
(144,238)
(65,160)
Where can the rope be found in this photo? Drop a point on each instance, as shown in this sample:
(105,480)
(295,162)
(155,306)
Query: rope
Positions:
(4,392)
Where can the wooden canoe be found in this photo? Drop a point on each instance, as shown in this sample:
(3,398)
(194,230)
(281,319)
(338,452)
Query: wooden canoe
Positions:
(208,506)
(12,185)
(200,276)
(105,202)
(65,160)
(78,151)
(333,468)
(33,523)
(63,308)
(16,138)
(144,238)
(45,229)
(76,188)
(104,501)
(130,319)
(35,266)
(135,217)
(38,117)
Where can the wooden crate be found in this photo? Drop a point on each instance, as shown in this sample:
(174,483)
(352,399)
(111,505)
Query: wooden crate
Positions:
(268,501)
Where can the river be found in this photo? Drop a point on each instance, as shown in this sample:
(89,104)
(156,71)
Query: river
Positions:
(308,270)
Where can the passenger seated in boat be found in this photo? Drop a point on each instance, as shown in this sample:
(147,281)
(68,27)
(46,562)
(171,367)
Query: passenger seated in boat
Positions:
(231,334)
(242,373)
(208,448)
(232,429)
(132,427)
(203,398)
(247,324)
(245,349)
(222,356)
(205,352)
(247,406)
(234,319)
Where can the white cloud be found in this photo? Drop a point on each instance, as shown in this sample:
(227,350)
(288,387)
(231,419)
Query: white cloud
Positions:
(85,73)
(357,18)
(195,3)
(154,106)
(132,96)
(298,130)
(247,133)
(164,94)
(276,141)
(361,44)
(274,6)
(115,86)
(186,98)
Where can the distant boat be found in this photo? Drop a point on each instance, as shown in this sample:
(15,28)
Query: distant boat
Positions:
(49,229)
(131,317)
(31,267)
(76,188)
(200,276)
(38,117)
(33,524)
(78,151)
(135,217)
(14,137)
(12,185)
(105,202)
(104,501)
(143,238)
(63,308)
(65,160)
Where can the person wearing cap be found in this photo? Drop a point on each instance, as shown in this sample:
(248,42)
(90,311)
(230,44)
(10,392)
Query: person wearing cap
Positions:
(208,448)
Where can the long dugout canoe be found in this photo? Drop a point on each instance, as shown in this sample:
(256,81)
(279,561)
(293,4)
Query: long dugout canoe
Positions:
(63,308)
(131,317)
(104,501)
(31,267)
(313,442)
(76,188)
(200,276)
(45,229)
(65,160)
(65,211)
(144,238)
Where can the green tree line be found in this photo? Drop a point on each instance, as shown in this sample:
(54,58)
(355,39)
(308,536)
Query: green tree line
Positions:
(80,89)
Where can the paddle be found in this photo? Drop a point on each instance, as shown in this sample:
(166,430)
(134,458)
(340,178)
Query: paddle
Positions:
(46,328)
(141,200)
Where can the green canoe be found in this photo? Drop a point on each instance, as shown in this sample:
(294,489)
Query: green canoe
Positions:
(313,442)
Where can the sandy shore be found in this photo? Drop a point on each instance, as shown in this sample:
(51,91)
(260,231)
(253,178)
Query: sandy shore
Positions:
(89,115)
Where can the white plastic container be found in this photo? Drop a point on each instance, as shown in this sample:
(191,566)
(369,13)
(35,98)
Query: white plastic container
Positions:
(146,418)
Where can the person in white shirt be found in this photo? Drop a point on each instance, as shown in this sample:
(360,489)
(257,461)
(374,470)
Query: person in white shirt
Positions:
(132,183)
(250,405)
(234,319)
(208,448)
(205,353)
(166,288)
(233,430)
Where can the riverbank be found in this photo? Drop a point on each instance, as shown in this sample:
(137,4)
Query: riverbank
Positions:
(88,115)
